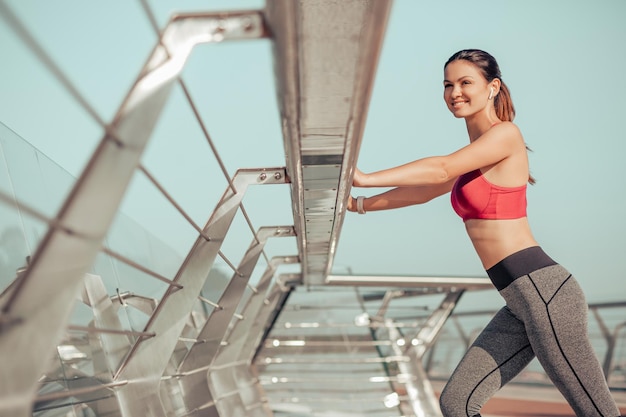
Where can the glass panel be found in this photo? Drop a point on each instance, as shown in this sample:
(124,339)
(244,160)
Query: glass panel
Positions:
(27,176)
(14,248)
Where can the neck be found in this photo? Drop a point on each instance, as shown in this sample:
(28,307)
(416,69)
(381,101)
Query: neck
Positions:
(478,124)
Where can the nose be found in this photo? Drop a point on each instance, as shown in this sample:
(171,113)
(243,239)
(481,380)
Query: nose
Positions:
(456,91)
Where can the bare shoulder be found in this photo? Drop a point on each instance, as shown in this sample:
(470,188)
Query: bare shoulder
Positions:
(506,132)
(508,129)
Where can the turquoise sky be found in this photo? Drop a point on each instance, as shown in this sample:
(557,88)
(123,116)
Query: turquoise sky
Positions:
(562,59)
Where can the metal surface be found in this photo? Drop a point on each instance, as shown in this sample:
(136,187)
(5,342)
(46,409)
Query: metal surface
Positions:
(309,367)
(419,392)
(148,359)
(247,335)
(321,343)
(326,54)
(443,283)
(198,366)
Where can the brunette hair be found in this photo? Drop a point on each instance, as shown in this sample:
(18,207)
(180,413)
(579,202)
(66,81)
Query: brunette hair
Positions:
(488,66)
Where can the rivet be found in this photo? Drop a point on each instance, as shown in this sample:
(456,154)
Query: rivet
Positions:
(248,25)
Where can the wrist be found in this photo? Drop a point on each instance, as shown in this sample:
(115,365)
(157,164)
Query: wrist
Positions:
(360,204)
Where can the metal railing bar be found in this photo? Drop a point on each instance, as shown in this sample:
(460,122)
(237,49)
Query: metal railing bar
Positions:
(76,392)
(122,296)
(155,26)
(267,380)
(56,405)
(346,360)
(328,400)
(200,408)
(229,263)
(193,371)
(152,19)
(169,198)
(419,310)
(194,108)
(206,135)
(189,339)
(133,349)
(88,329)
(592,306)
(52,223)
(368,372)
(245,215)
(277,343)
(209,302)
(139,267)
(320,325)
(611,304)
(10,200)
(252,229)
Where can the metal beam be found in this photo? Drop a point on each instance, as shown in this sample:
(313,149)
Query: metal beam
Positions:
(149,358)
(198,365)
(326,54)
(443,283)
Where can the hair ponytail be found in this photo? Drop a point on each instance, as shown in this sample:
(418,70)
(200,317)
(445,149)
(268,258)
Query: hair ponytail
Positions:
(506,112)
(504,104)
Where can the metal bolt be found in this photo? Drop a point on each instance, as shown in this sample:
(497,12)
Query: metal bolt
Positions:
(277,175)
(248,25)
(263,176)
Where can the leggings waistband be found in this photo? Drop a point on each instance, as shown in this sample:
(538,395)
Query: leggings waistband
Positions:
(517,265)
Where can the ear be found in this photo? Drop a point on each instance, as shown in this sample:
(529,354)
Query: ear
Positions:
(495,84)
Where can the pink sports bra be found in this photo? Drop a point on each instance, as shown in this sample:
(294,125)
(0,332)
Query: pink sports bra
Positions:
(473,197)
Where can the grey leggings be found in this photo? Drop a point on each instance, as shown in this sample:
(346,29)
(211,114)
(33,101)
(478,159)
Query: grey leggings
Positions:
(545,315)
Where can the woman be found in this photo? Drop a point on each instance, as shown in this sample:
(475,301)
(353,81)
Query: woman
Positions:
(545,313)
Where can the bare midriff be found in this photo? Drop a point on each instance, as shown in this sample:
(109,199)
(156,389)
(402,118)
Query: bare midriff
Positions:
(494,240)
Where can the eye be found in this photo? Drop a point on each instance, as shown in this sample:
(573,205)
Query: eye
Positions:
(466,82)
(447,85)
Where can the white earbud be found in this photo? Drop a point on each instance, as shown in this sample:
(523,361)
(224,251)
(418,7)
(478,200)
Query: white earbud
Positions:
(491,94)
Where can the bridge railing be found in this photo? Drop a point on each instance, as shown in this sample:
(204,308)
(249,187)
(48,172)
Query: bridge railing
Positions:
(98,313)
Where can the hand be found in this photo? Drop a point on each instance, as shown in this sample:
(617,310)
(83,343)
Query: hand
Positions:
(351,204)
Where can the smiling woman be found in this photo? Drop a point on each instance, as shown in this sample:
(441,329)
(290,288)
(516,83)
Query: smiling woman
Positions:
(466,90)
(545,315)
(488,76)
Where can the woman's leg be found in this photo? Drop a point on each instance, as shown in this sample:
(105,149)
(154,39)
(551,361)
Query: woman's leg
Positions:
(499,353)
(552,305)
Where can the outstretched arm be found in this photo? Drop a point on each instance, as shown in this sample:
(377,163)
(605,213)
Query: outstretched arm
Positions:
(493,146)
(402,197)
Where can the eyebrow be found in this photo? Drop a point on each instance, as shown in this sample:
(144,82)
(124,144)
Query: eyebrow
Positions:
(465,76)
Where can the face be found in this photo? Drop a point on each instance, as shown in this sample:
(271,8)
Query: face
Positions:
(466,91)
